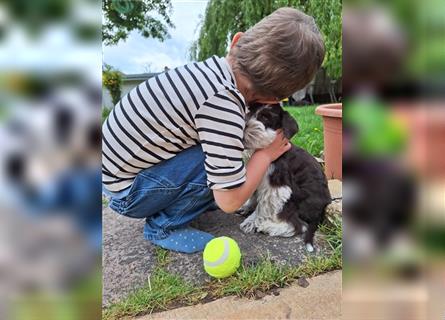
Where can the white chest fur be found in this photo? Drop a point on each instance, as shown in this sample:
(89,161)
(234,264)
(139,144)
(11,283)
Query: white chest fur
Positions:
(270,203)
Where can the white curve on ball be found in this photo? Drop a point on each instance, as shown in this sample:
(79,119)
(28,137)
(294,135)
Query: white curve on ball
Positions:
(221,259)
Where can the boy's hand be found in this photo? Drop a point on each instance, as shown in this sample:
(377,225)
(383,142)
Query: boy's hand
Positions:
(231,200)
(279,146)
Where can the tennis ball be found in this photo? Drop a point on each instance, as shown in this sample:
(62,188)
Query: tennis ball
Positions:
(221,257)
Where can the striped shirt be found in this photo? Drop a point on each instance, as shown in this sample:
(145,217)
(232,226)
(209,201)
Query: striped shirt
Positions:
(194,104)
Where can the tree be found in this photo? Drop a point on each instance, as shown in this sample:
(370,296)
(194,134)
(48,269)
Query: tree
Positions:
(223,18)
(327,14)
(123,16)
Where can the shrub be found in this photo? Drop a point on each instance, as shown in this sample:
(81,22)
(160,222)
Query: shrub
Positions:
(112,80)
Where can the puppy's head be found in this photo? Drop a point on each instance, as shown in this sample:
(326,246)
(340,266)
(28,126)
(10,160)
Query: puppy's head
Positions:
(263,121)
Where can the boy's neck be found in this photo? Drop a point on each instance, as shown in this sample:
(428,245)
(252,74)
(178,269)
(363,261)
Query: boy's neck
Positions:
(242,83)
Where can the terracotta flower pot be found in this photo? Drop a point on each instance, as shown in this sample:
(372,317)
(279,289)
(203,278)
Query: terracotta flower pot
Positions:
(332,127)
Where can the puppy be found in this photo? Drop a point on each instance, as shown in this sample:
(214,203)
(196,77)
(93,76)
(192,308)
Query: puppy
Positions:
(292,197)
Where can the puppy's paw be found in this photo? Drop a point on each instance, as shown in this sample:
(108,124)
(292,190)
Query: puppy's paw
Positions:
(247,209)
(309,247)
(248,225)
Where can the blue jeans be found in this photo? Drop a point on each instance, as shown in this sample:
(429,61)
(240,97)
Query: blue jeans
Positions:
(168,195)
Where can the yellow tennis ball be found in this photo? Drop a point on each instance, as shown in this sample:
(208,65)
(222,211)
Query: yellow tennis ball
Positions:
(222,257)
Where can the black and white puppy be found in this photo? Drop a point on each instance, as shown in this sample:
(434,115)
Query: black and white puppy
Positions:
(292,197)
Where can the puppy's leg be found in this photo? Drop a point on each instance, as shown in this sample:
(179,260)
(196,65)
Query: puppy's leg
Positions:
(289,214)
(248,225)
(276,228)
(309,236)
(312,217)
(273,206)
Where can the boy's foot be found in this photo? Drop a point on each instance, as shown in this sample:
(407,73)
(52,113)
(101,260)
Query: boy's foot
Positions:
(186,240)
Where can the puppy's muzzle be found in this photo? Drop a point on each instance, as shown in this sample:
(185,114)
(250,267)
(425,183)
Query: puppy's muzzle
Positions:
(256,136)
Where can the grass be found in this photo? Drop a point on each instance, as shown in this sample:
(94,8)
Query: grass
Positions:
(162,258)
(161,290)
(164,290)
(333,234)
(105,201)
(310,135)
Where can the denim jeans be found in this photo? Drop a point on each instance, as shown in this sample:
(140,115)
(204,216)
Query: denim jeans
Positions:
(168,195)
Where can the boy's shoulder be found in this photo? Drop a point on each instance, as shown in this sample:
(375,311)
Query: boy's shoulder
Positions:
(228,100)
(216,82)
(216,71)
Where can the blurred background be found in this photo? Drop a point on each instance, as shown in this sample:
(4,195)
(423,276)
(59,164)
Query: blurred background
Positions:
(50,202)
(393,164)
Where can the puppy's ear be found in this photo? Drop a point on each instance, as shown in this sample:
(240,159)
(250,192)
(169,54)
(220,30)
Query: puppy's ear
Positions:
(290,125)
(253,107)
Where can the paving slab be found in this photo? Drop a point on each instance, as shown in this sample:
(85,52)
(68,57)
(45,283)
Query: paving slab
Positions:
(127,260)
(320,300)
(335,188)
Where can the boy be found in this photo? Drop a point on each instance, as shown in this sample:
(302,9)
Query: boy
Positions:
(173,146)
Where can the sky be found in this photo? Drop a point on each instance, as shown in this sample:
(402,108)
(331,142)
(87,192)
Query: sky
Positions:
(138,54)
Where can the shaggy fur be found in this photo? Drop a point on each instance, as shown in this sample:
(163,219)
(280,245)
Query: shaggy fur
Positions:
(293,194)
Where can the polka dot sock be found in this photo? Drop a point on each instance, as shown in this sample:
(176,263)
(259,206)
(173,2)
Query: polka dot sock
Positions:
(187,240)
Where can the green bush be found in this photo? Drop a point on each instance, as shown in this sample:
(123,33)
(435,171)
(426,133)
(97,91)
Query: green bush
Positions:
(105,112)
(112,80)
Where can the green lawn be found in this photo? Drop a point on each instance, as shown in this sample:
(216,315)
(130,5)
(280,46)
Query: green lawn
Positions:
(310,136)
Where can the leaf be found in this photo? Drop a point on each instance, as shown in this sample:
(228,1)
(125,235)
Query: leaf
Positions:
(123,16)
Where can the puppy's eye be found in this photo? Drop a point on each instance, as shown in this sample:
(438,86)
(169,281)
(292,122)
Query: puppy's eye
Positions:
(263,117)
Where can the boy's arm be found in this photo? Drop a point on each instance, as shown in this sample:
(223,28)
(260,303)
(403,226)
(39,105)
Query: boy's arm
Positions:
(232,200)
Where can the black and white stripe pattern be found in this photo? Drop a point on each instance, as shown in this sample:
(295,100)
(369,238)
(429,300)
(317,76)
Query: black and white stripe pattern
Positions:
(194,104)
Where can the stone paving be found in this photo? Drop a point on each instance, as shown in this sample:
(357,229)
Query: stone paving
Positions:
(128,259)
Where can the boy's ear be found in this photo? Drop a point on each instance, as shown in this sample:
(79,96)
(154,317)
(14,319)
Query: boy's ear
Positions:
(290,125)
(236,38)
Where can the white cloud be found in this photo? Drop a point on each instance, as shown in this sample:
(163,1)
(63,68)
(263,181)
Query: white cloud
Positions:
(134,54)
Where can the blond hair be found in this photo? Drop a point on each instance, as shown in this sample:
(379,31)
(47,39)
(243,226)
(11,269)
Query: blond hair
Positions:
(280,54)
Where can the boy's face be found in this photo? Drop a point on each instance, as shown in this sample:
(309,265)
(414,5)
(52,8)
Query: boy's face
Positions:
(251,97)
(265,100)
(245,86)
